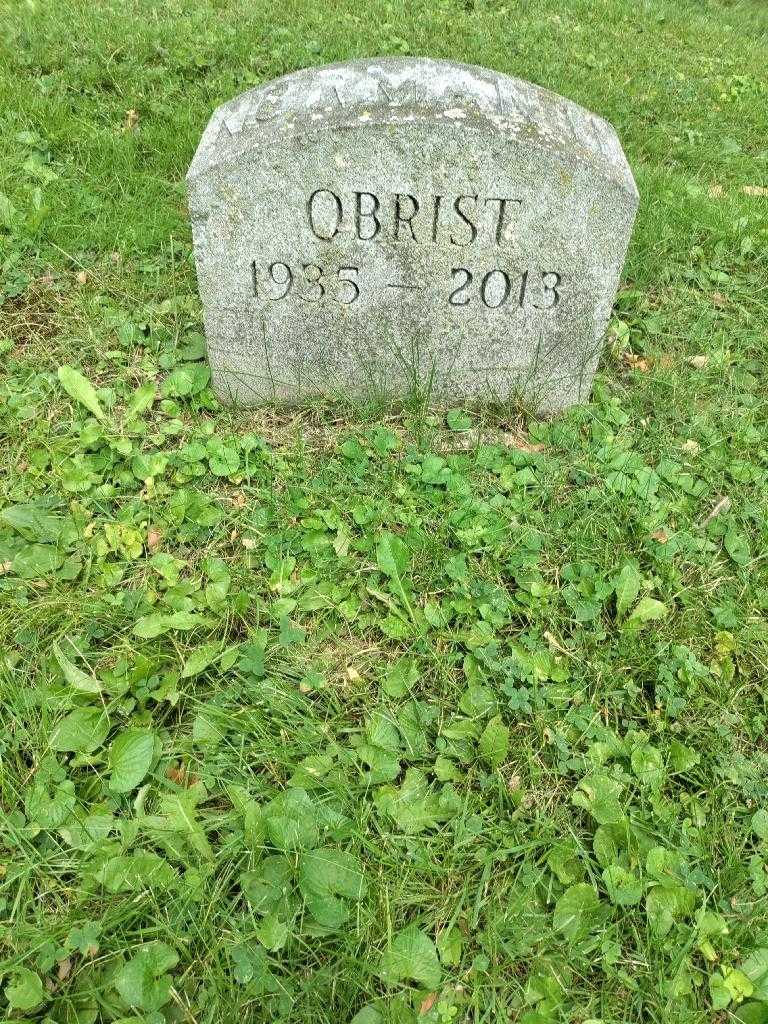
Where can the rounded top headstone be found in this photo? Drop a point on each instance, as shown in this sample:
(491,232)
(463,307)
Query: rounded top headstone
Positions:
(398,223)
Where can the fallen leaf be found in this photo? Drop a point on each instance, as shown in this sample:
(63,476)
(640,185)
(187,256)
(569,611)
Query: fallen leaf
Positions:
(553,642)
(131,120)
(353,675)
(81,277)
(698,362)
(154,536)
(5,567)
(755,190)
(719,299)
(636,362)
(721,506)
(660,535)
(238,500)
(65,966)
(512,440)
(249,543)
(180,776)
(691,446)
(428,1003)
(514,783)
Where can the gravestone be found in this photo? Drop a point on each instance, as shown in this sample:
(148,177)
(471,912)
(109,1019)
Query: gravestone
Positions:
(370,227)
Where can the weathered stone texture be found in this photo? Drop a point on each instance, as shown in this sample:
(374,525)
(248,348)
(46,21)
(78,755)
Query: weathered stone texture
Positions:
(367,227)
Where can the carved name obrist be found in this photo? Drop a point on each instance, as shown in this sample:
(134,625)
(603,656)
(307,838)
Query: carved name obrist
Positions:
(458,220)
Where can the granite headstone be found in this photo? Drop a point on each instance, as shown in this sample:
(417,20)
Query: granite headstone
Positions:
(370,227)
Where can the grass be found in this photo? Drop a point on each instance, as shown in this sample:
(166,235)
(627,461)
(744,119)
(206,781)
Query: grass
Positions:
(362,713)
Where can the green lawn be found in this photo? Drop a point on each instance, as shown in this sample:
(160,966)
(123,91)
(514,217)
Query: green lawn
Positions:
(371,713)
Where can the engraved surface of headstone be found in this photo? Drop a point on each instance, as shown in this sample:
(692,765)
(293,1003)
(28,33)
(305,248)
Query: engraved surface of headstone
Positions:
(368,227)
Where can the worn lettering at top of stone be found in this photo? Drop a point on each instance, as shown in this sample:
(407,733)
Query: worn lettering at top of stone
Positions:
(383,225)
